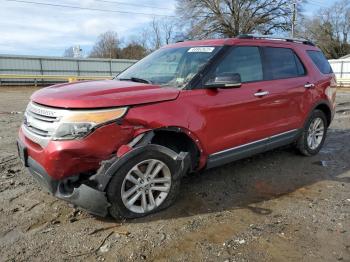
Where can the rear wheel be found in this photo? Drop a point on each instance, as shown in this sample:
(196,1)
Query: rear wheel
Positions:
(314,134)
(144,185)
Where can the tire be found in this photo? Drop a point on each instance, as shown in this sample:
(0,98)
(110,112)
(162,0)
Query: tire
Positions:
(120,185)
(306,145)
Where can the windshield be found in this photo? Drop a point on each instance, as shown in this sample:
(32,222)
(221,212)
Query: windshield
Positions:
(170,66)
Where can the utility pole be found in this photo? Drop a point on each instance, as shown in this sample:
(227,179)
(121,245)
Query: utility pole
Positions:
(294,16)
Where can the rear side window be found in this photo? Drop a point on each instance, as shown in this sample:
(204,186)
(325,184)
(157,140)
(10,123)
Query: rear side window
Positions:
(244,60)
(320,61)
(281,63)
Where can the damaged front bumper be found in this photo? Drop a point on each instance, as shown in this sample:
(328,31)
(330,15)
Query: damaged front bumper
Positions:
(83,196)
(90,194)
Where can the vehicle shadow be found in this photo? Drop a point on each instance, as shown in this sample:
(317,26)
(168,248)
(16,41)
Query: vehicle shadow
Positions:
(245,183)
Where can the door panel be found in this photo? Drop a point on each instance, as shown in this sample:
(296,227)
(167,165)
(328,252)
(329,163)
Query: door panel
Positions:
(286,77)
(285,103)
(234,116)
(231,117)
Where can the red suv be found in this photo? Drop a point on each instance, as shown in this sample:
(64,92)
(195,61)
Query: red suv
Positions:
(121,146)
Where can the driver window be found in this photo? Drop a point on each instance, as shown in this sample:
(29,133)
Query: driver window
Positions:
(244,60)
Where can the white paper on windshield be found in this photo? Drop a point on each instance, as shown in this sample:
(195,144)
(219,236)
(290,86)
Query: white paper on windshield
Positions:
(201,49)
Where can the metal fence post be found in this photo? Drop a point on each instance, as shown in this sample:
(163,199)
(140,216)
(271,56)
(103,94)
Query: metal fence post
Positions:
(41,73)
(78,67)
(110,67)
(341,69)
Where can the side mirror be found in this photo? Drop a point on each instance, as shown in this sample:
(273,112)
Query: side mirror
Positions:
(227,80)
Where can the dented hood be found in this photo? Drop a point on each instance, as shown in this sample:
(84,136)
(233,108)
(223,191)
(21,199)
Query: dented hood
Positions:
(99,94)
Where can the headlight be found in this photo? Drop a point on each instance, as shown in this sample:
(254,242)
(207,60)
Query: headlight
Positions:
(77,124)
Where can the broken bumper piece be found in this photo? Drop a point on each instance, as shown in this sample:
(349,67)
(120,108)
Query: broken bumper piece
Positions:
(94,199)
(87,198)
(83,196)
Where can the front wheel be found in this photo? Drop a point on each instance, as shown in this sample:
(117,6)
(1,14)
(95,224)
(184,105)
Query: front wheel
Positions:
(314,134)
(144,185)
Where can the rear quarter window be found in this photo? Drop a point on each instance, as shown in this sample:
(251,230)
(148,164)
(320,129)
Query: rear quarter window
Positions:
(281,63)
(320,61)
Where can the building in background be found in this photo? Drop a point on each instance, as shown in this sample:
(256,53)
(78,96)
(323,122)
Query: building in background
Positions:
(341,68)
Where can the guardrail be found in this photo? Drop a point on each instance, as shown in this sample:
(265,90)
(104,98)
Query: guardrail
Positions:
(63,78)
(22,70)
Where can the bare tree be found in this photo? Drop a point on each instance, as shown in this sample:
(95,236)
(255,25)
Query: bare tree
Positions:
(155,34)
(229,18)
(107,46)
(330,28)
(69,52)
(160,32)
(142,39)
(168,28)
(338,16)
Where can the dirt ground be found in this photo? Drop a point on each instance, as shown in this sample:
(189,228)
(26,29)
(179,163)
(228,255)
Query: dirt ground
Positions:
(276,206)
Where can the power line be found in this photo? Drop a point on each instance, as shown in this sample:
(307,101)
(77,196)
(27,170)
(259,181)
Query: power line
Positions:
(317,3)
(129,4)
(86,8)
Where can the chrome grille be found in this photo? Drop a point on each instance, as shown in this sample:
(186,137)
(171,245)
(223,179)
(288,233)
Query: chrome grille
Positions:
(40,122)
(49,119)
(38,131)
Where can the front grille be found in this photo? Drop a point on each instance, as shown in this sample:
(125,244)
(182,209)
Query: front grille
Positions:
(40,122)
(38,131)
(49,119)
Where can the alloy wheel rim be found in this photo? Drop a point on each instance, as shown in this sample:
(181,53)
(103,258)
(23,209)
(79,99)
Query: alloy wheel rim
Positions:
(146,186)
(315,133)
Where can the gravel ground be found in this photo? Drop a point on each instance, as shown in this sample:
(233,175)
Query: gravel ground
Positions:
(276,206)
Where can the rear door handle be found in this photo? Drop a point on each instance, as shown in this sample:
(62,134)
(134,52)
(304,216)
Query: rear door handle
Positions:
(309,85)
(262,93)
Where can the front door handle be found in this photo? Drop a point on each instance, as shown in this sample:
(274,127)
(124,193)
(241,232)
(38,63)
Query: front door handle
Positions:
(261,93)
(309,85)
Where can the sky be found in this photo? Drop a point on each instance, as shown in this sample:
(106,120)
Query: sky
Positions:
(30,29)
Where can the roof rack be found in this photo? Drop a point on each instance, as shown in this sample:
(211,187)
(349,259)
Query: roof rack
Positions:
(271,37)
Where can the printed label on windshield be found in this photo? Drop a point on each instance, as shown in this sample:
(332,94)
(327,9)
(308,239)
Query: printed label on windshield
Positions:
(202,49)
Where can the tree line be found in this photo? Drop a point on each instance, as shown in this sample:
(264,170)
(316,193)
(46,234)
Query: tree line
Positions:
(328,28)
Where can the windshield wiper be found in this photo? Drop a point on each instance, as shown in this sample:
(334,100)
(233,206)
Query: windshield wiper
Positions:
(136,79)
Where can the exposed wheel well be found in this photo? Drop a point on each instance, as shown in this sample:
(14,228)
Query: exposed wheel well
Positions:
(325,109)
(177,141)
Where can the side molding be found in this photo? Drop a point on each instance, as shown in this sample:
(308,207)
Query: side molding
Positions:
(246,150)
